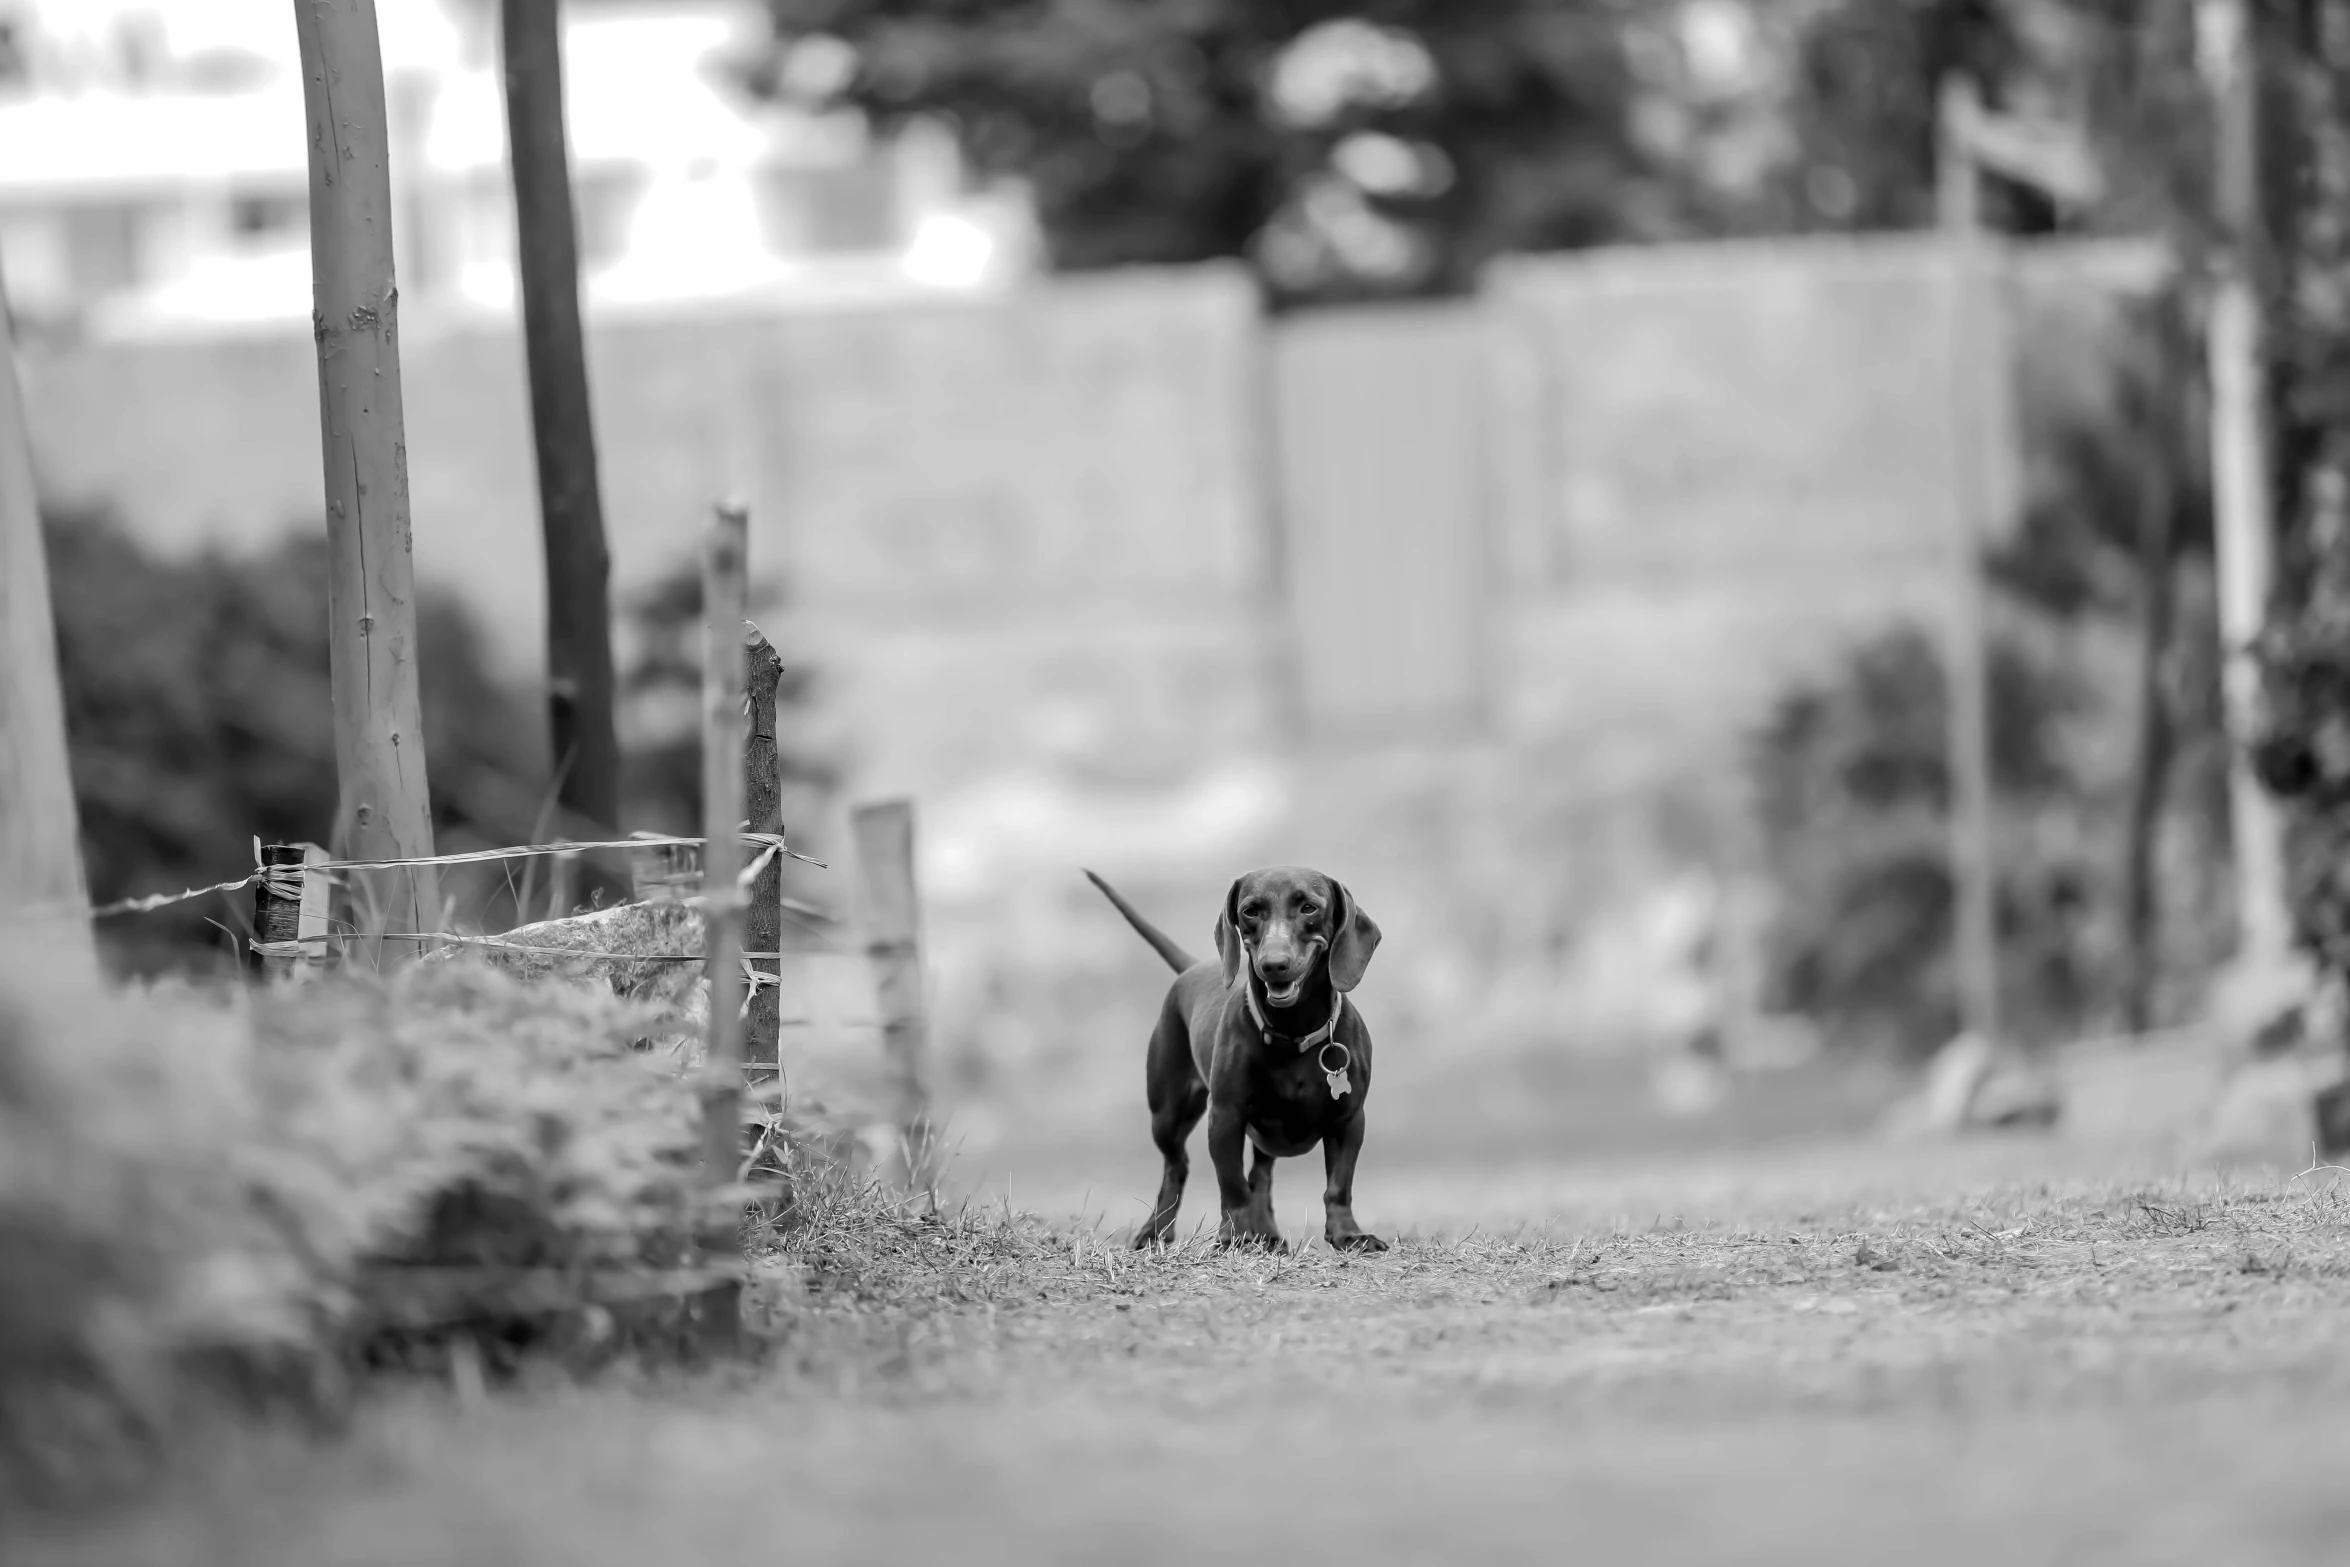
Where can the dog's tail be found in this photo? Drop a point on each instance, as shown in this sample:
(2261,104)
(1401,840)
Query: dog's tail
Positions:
(1161,942)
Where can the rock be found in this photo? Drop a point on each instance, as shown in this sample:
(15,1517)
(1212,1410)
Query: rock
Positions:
(2012,1098)
(2251,999)
(1971,1085)
(1959,1071)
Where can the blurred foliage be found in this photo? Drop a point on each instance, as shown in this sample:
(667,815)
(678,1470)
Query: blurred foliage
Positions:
(1859,112)
(1858,106)
(197,714)
(210,1195)
(1851,772)
(1348,149)
(198,718)
(1354,150)
(1853,790)
(2303,750)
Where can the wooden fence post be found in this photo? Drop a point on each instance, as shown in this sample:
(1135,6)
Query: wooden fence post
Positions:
(889,907)
(724,547)
(277,909)
(290,910)
(384,810)
(40,840)
(313,928)
(763,922)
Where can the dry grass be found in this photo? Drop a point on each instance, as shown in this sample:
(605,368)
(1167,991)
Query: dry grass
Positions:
(2042,1371)
(2051,1294)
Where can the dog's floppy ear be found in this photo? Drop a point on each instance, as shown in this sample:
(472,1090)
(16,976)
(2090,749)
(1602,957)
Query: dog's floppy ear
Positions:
(1228,933)
(1356,938)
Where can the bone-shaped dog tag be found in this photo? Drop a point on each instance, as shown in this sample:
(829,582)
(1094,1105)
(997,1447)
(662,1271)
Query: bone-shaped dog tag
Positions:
(1339,1086)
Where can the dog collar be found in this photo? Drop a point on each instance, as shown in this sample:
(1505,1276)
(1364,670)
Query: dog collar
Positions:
(1318,1037)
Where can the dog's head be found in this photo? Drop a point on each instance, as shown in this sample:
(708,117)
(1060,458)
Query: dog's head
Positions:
(1286,919)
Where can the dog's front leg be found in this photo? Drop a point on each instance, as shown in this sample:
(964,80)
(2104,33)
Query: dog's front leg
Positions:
(1339,1151)
(1242,1225)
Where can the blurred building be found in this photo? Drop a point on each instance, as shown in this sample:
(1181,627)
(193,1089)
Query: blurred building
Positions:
(152,167)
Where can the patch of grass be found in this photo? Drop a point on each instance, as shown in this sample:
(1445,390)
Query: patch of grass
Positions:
(895,1289)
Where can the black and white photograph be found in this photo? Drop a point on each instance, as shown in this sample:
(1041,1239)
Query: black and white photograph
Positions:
(1174,781)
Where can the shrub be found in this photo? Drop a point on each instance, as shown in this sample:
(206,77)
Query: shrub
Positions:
(1853,792)
(197,713)
(207,1196)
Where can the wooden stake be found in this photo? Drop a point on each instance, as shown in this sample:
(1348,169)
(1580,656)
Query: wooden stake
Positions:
(40,839)
(1973,867)
(889,907)
(571,508)
(724,547)
(763,922)
(277,909)
(384,810)
(313,927)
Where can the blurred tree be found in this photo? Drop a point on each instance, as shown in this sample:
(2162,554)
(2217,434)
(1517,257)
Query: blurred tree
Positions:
(2120,533)
(1858,109)
(2303,753)
(1348,149)
(571,505)
(1857,106)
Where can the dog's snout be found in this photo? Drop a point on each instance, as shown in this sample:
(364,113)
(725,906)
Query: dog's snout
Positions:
(1278,954)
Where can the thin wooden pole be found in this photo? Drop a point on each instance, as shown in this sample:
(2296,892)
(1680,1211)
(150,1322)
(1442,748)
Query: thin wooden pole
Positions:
(763,794)
(40,836)
(889,907)
(2243,502)
(763,921)
(571,509)
(385,807)
(1972,863)
(724,548)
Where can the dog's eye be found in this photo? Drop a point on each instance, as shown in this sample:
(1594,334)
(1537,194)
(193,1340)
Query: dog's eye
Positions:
(1309,910)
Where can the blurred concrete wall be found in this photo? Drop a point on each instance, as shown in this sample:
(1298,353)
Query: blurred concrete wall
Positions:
(1037,552)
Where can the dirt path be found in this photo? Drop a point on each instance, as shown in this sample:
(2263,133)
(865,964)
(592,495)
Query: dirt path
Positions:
(2137,1372)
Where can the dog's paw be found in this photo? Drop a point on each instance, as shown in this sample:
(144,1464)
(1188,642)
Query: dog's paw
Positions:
(1356,1242)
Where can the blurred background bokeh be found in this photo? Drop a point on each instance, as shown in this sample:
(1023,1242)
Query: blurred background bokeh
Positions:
(1498,452)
